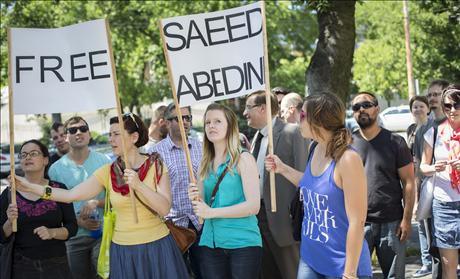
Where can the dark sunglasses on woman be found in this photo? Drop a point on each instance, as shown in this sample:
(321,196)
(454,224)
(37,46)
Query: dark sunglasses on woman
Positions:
(448,107)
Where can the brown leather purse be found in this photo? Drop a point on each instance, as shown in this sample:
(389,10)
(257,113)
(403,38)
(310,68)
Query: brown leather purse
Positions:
(184,237)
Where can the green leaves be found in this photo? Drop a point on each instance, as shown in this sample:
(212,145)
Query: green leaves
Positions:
(379,61)
(138,53)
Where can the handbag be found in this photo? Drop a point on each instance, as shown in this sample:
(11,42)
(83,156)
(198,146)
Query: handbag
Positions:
(184,237)
(425,202)
(103,261)
(426,199)
(296,209)
(6,253)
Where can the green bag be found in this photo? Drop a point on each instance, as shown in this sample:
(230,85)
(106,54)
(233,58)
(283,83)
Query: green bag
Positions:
(103,262)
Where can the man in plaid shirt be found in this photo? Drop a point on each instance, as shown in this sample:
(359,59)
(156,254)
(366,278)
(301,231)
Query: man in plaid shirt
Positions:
(173,156)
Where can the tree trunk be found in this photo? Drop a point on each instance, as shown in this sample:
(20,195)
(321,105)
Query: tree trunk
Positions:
(330,66)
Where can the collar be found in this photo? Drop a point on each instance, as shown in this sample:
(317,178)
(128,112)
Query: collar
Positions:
(264,130)
(171,145)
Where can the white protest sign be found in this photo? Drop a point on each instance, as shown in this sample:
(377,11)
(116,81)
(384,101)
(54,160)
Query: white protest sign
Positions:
(215,56)
(66,69)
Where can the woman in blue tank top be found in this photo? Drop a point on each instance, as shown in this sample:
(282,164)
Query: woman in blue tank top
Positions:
(334,193)
(231,244)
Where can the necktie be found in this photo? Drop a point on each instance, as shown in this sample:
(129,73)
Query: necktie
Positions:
(257,143)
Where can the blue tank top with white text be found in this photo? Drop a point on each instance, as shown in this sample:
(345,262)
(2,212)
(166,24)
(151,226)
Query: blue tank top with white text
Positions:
(325,225)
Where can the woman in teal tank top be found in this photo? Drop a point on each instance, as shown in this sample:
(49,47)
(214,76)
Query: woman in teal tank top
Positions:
(231,244)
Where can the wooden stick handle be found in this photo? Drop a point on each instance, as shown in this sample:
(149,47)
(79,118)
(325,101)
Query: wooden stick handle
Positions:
(268,109)
(11,127)
(178,112)
(120,120)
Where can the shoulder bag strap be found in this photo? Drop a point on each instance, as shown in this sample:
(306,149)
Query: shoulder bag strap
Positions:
(214,192)
(435,135)
(107,206)
(144,204)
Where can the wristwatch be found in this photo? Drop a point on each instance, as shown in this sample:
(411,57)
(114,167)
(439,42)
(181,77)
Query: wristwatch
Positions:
(47,193)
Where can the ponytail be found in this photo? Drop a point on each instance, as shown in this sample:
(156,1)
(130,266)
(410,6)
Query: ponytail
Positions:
(341,139)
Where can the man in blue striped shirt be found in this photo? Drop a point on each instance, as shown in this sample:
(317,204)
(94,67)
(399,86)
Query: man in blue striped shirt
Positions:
(173,155)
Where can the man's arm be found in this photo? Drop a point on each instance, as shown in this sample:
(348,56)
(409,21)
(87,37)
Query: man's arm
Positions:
(406,173)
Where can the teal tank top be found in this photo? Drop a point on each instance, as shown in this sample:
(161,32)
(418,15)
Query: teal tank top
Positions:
(228,233)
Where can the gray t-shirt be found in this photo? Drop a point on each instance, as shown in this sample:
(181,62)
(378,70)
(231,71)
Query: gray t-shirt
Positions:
(419,140)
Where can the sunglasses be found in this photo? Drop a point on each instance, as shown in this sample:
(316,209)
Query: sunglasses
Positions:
(187,118)
(73,130)
(365,105)
(433,94)
(130,115)
(448,107)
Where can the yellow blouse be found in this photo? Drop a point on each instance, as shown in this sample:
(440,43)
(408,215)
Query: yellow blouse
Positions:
(127,232)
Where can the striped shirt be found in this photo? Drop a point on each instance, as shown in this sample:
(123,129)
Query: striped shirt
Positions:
(174,158)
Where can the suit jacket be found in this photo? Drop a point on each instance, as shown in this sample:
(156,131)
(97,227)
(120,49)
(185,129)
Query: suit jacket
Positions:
(292,149)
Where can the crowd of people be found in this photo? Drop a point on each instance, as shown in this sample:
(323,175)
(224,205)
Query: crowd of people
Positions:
(358,190)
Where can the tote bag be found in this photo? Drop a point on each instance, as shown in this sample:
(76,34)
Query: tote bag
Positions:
(426,199)
(103,262)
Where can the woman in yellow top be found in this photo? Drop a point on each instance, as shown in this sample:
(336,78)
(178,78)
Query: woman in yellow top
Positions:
(138,250)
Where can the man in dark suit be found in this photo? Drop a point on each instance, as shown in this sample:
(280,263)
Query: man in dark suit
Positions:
(281,251)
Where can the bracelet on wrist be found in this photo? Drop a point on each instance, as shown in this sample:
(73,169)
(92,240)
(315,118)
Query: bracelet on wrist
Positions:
(47,192)
(346,276)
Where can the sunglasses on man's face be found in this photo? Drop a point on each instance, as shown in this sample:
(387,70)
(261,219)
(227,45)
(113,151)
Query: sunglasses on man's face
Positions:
(187,118)
(73,130)
(365,105)
(448,107)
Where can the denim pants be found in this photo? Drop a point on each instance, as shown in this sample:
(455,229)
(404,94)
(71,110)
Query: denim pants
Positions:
(306,272)
(240,263)
(26,268)
(82,252)
(391,252)
(424,247)
(192,257)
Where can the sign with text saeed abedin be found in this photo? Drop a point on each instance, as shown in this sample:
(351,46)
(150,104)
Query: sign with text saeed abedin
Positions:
(215,56)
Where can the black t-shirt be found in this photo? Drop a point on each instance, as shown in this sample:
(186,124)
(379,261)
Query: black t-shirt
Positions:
(34,214)
(382,157)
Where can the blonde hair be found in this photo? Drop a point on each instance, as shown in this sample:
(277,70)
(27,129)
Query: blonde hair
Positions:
(232,136)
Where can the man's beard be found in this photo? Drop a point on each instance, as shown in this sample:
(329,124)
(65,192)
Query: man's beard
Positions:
(365,122)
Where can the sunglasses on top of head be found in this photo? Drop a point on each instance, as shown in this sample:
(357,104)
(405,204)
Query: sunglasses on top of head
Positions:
(365,105)
(73,130)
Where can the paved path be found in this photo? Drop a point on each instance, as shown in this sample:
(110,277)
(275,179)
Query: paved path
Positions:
(413,262)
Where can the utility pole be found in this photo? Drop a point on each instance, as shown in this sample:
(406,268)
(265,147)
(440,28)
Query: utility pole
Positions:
(410,75)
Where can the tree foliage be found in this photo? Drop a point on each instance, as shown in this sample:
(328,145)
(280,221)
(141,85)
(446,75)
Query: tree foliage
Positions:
(140,65)
(379,62)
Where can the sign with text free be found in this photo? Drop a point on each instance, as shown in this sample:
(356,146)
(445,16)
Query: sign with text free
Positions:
(216,56)
(66,69)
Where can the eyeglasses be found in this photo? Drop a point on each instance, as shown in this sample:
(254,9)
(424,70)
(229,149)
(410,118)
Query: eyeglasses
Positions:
(433,94)
(448,107)
(32,154)
(130,115)
(365,105)
(302,115)
(187,118)
(249,107)
(73,130)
